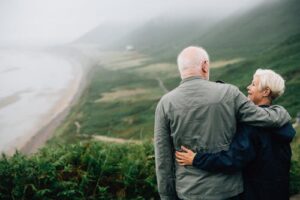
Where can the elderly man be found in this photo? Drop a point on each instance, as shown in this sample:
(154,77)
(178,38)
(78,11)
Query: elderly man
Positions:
(202,115)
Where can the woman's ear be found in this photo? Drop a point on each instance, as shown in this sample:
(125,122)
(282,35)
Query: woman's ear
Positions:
(267,92)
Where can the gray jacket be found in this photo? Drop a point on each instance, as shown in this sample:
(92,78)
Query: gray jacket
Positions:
(202,116)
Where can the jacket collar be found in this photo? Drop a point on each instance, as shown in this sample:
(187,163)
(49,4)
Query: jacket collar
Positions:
(191,78)
(264,106)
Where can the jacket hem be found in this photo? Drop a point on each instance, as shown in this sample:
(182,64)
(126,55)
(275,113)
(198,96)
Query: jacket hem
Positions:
(218,196)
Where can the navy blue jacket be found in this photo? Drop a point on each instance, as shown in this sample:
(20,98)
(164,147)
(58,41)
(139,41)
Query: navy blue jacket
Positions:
(264,156)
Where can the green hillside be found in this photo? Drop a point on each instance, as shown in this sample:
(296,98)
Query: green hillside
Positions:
(283,58)
(122,96)
(244,34)
(166,33)
(239,35)
(255,32)
(102,34)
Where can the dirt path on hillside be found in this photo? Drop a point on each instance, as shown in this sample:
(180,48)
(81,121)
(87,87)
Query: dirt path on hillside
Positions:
(115,140)
(295,197)
(161,85)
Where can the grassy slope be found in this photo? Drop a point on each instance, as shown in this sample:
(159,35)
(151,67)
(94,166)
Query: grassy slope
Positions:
(284,59)
(243,35)
(255,32)
(164,35)
(132,116)
(129,116)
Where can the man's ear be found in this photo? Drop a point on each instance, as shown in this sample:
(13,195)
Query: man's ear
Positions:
(205,66)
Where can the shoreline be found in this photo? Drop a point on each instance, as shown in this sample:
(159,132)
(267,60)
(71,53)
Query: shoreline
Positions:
(62,108)
(56,100)
(70,95)
(84,61)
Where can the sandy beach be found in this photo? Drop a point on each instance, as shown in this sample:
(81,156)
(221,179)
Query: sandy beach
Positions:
(69,98)
(44,128)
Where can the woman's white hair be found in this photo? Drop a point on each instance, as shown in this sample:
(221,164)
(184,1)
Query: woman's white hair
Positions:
(272,80)
(191,57)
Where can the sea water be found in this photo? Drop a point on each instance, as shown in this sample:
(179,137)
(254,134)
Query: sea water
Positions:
(32,83)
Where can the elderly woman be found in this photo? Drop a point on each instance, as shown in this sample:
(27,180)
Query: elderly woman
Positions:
(263,154)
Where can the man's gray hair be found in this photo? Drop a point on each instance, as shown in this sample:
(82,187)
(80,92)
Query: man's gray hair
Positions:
(272,80)
(192,57)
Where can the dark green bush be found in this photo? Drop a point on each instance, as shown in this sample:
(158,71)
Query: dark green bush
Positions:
(90,171)
(81,171)
(295,171)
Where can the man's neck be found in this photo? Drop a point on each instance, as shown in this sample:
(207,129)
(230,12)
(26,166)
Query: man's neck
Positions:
(188,74)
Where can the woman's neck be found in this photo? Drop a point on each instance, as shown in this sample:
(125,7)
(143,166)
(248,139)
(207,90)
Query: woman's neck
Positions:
(265,101)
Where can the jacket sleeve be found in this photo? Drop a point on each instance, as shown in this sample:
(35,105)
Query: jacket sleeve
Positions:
(239,154)
(164,151)
(286,133)
(248,112)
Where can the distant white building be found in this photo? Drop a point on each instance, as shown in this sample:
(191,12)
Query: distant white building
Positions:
(298,119)
(297,122)
(129,48)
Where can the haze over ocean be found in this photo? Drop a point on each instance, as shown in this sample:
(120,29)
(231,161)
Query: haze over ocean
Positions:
(32,85)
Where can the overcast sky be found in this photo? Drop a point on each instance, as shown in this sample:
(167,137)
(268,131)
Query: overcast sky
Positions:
(59,21)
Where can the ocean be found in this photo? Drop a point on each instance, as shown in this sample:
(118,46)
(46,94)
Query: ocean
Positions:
(34,87)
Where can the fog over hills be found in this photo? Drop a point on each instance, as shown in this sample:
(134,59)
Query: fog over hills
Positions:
(254,32)
(245,32)
(51,22)
(162,28)
(106,35)
(166,29)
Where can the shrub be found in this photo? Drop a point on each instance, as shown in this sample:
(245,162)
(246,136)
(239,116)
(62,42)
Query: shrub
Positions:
(81,171)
